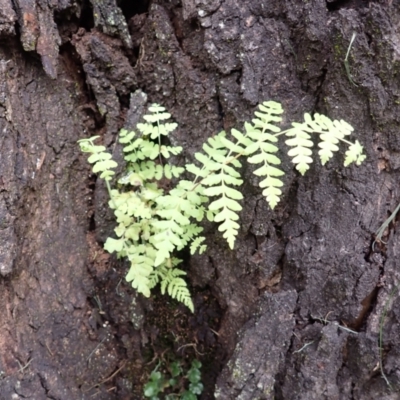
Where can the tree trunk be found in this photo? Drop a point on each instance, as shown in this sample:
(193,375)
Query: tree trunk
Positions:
(306,306)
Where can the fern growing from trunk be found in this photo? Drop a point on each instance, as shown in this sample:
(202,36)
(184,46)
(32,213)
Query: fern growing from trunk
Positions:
(153,223)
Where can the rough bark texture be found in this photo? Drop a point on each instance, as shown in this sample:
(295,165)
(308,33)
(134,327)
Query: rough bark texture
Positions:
(295,311)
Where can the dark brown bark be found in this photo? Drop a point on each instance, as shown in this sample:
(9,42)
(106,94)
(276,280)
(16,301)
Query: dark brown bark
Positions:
(294,311)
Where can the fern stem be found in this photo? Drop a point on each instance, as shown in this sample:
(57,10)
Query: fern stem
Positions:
(346,141)
(110,193)
(159,141)
(281,133)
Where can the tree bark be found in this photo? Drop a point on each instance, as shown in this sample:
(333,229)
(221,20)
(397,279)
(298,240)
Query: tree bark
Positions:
(297,309)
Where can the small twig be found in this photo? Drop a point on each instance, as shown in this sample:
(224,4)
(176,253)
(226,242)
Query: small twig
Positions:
(156,356)
(97,299)
(117,288)
(325,321)
(194,345)
(40,161)
(345,329)
(383,227)
(22,368)
(346,62)
(215,332)
(48,348)
(90,355)
(107,379)
(108,390)
(306,345)
(141,54)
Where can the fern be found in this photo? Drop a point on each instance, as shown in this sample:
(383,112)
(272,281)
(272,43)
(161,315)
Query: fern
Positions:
(262,144)
(153,223)
(331,132)
(219,174)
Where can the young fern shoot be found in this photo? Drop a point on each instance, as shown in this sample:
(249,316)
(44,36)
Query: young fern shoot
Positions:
(153,223)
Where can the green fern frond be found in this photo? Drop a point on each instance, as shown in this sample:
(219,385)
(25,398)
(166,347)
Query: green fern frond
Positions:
(132,148)
(155,125)
(167,238)
(264,149)
(226,206)
(142,266)
(126,137)
(166,150)
(154,279)
(191,232)
(172,170)
(217,174)
(331,133)
(156,108)
(268,116)
(216,180)
(198,244)
(260,137)
(301,146)
(354,154)
(215,151)
(114,245)
(176,286)
(243,139)
(101,160)
(150,149)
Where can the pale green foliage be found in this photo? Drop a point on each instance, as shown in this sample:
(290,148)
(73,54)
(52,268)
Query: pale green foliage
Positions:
(100,158)
(331,132)
(179,385)
(263,134)
(154,223)
(354,154)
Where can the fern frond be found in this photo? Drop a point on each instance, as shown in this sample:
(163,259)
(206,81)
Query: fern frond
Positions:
(264,149)
(114,245)
(154,279)
(301,145)
(198,244)
(148,149)
(167,238)
(242,139)
(267,116)
(331,133)
(176,286)
(196,171)
(186,198)
(154,126)
(101,160)
(125,136)
(165,150)
(226,206)
(138,275)
(132,148)
(354,154)
(142,266)
(156,108)
(191,232)
(218,173)
(132,232)
(215,151)
(172,170)
(174,230)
